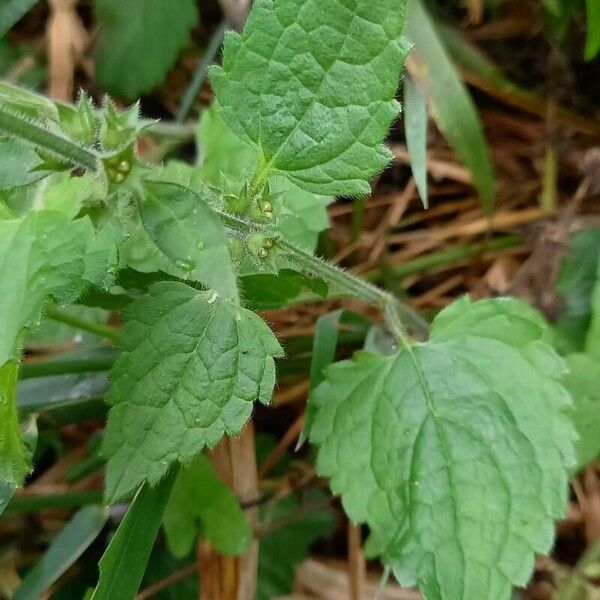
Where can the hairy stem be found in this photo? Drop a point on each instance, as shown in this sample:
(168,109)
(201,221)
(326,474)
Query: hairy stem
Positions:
(36,133)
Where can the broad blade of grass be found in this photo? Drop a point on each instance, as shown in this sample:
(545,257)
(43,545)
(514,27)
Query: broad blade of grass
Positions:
(64,550)
(415,128)
(123,564)
(452,106)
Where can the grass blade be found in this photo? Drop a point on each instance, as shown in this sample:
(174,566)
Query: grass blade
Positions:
(123,564)
(453,107)
(415,128)
(64,550)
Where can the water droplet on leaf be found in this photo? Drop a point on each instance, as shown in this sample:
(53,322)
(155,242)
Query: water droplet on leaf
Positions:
(185,265)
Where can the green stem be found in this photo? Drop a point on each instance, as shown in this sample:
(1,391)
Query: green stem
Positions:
(105,331)
(21,504)
(64,367)
(33,132)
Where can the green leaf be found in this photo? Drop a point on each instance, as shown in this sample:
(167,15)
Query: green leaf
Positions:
(18,165)
(14,461)
(40,256)
(415,129)
(182,225)
(140,41)
(201,502)
(191,367)
(270,292)
(454,452)
(576,280)
(282,550)
(227,160)
(592,342)
(123,564)
(592,42)
(583,381)
(312,83)
(452,106)
(64,550)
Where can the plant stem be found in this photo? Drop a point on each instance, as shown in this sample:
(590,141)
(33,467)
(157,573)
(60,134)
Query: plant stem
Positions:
(105,331)
(200,75)
(33,132)
(64,367)
(66,500)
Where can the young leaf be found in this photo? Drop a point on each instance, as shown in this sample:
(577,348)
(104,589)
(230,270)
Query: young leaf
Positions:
(583,381)
(226,160)
(123,564)
(191,367)
(65,549)
(453,107)
(140,41)
(181,224)
(201,502)
(455,452)
(312,83)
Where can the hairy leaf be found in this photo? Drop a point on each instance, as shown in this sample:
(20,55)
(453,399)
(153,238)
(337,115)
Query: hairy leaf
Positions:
(202,503)
(14,462)
(140,41)
(583,381)
(40,256)
(182,225)
(226,160)
(191,367)
(455,452)
(312,83)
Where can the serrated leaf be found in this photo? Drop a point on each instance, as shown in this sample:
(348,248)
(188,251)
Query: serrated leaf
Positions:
(191,367)
(312,83)
(182,225)
(455,452)
(139,42)
(583,381)
(227,160)
(40,256)
(201,503)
